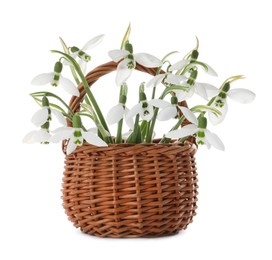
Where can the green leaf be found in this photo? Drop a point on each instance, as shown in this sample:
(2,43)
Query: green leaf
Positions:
(203,108)
(126,37)
(144,128)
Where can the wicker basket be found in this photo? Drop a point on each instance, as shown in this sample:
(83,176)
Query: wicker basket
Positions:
(125,190)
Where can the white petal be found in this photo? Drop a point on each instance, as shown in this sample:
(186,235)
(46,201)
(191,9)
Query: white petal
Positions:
(83,65)
(182,95)
(189,115)
(214,140)
(123,72)
(179,65)
(200,90)
(167,113)
(37,137)
(211,71)
(69,86)
(210,89)
(147,113)
(62,134)
(147,60)
(70,147)
(175,79)
(40,117)
(183,132)
(117,55)
(156,80)
(42,79)
(59,116)
(215,120)
(28,139)
(129,121)
(93,139)
(241,95)
(93,130)
(134,111)
(93,42)
(159,103)
(115,114)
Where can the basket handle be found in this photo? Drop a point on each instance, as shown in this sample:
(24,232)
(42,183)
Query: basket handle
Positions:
(100,71)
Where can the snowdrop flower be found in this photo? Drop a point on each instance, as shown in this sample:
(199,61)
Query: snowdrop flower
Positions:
(44,115)
(144,108)
(37,136)
(125,67)
(203,135)
(240,95)
(170,110)
(56,79)
(191,63)
(82,55)
(118,112)
(76,135)
(204,90)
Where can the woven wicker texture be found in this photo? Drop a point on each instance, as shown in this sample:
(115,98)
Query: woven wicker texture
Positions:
(125,190)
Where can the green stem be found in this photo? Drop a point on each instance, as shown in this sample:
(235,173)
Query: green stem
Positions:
(119,132)
(175,127)
(66,50)
(49,94)
(88,91)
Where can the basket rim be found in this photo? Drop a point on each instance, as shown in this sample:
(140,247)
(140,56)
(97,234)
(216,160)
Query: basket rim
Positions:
(187,145)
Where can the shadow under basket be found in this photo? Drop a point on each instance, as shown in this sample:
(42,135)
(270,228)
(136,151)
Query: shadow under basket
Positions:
(131,190)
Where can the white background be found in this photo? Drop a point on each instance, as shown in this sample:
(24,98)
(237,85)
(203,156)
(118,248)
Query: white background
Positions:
(234,214)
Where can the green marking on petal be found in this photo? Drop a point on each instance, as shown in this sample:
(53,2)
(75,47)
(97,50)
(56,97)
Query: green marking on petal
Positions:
(77,141)
(201,134)
(77,133)
(56,77)
(222,95)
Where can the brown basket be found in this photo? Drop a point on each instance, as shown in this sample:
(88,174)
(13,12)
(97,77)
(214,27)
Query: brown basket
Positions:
(126,190)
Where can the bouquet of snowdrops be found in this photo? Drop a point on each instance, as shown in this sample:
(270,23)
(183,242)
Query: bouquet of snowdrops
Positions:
(180,81)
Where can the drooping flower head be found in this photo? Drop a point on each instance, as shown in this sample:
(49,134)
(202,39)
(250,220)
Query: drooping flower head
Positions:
(240,95)
(42,119)
(76,136)
(200,131)
(84,57)
(56,79)
(128,63)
